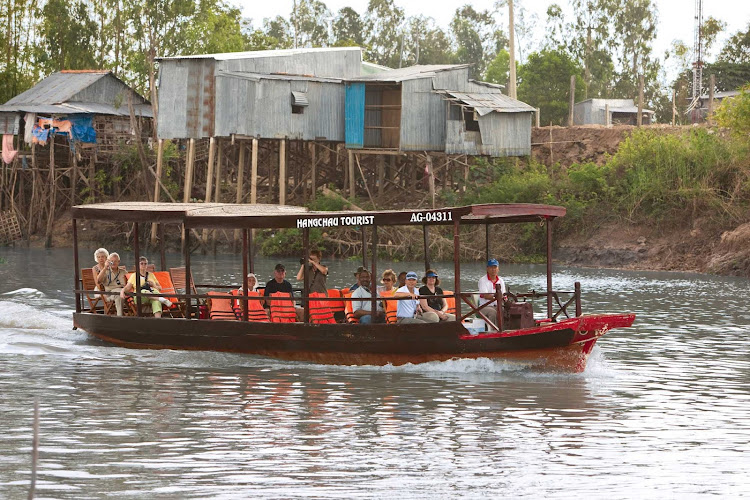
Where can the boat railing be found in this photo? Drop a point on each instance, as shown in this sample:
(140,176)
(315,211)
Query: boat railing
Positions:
(467,298)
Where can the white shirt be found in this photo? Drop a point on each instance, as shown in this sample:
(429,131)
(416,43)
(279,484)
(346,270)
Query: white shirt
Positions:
(361,293)
(407,308)
(487,286)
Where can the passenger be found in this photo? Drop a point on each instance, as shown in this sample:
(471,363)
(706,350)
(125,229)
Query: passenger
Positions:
(279,284)
(362,307)
(316,272)
(356,279)
(252,283)
(487,286)
(388,280)
(149,284)
(112,279)
(401,279)
(434,306)
(408,310)
(100,256)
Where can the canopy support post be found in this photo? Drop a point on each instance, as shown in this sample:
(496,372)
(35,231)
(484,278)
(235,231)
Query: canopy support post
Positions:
(76,265)
(137,251)
(188,273)
(457,265)
(373,280)
(249,251)
(426,244)
(162,250)
(364,246)
(244,273)
(486,242)
(305,259)
(549,268)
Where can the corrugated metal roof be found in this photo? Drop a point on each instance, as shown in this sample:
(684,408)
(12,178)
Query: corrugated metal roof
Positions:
(722,95)
(487,103)
(410,73)
(57,88)
(628,109)
(79,108)
(276,76)
(258,53)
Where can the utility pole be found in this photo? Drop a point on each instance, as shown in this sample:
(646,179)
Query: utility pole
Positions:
(512,50)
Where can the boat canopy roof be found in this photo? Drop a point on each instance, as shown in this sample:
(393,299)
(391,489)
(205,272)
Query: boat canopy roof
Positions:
(232,215)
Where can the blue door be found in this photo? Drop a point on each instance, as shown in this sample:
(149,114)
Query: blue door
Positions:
(355,115)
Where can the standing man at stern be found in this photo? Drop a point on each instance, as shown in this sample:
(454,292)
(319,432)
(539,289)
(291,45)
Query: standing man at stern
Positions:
(488,284)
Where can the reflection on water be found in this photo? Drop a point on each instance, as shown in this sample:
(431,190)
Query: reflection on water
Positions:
(660,411)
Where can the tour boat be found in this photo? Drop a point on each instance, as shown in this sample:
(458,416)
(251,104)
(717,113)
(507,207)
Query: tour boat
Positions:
(561,340)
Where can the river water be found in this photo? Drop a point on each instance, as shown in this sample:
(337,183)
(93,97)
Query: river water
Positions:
(661,411)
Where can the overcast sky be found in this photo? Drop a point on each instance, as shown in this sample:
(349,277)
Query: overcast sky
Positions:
(676,17)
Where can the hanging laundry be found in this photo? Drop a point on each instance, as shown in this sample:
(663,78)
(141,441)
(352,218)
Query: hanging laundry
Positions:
(9,151)
(62,126)
(83,129)
(39,135)
(30,120)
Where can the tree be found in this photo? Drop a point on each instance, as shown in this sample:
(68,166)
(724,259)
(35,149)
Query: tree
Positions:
(310,22)
(498,69)
(475,36)
(544,82)
(737,48)
(384,25)
(734,113)
(348,28)
(426,43)
(279,32)
(68,35)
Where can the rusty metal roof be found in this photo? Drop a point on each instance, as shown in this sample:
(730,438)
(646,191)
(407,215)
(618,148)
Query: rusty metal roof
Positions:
(486,103)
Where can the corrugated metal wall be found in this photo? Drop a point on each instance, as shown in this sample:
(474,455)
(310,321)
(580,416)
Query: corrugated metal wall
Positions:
(333,64)
(506,134)
(186,99)
(9,123)
(423,114)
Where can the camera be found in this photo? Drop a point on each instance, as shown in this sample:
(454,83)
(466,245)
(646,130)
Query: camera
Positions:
(302,261)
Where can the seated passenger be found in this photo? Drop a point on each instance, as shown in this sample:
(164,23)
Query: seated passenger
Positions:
(487,286)
(252,283)
(401,279)
(362,307)
(148,285)
(356,279)
(100,256)
(279,284)
(389,307)
(112,279)
(433,306)
(408,310)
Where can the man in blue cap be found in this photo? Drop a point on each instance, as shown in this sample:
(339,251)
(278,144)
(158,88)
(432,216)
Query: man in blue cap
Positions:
(408,311)
(488,284)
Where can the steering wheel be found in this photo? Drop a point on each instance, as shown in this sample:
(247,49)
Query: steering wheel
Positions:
(511,296)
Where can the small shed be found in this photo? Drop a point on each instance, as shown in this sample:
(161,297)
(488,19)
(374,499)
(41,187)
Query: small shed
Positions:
(96,100)
(621,112)
(435,108)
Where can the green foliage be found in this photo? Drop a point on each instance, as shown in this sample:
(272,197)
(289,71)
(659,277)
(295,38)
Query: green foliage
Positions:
(544,82)
(287,242)
(734,114)
(497,71)
(327,204)
(737,48)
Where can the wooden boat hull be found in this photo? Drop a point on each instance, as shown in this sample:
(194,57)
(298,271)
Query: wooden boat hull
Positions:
(564,345)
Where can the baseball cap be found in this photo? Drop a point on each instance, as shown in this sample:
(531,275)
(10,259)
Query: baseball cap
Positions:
(279,267)
(359,270)
(411,275)
(492,262)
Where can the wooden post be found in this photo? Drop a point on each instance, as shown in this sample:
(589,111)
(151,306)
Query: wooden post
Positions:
(73,180)
(426,246)
(209,182)
(351,174)
(240,184)
(457,266)
(254,173)
(76,284)
(711,86)
(674,106)
(137,251)
(313,170)
(571,118)
(53,192)
(92,175)
(537,117)
(549,268)
(282,172)
(607,118)
(159,166)
(373,279)
(188,272)
(381,175)
(189,171)
(640,100)
(219,166)
(244,273)
(305,277)
(430,177)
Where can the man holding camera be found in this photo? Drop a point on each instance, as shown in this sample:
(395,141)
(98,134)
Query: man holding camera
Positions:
(317,273)
(149,284)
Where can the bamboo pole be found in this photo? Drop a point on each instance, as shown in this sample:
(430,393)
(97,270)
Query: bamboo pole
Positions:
(314,168)
(240,185)
(53,192)
(254,173)
(159,166)
(571,119)
(282,172)
(352,182)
